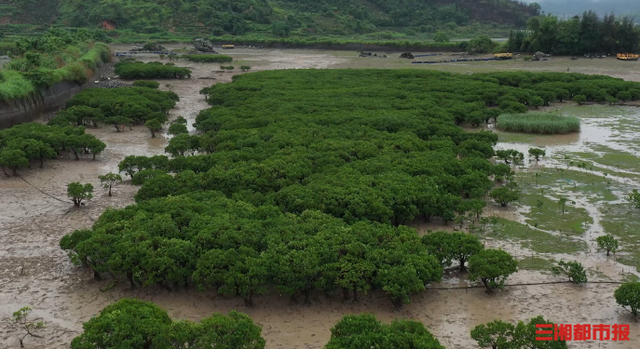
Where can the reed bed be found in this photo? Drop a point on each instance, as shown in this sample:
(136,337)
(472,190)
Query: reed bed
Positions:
(538,123)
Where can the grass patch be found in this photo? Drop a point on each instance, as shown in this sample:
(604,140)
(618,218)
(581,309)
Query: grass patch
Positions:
(545,212)
(593,111)
(623,222)
(514,137)
(534,239)
(616,158)
(597,274)
(538,123)
(628,277)
(550,218)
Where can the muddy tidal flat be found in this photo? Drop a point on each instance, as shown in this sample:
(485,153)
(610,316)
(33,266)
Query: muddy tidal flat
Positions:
(35,214)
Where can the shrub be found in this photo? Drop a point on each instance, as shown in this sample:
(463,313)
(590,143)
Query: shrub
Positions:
(208,58)
(634,198)
(607,243)
(573,270)
(580,99)
(79,192)
(628,296)
(538,123)
(624,96)
(611,100)
(151,70)
(147,83)
(504,195)
(537,153)
(440,37)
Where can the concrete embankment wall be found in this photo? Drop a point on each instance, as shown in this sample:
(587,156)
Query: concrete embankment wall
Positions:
(345,47)
(23,110)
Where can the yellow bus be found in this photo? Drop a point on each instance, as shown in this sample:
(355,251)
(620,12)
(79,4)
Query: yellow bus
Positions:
(628,56)
(228,46)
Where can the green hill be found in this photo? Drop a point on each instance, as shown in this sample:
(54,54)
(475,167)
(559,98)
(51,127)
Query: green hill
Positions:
(279,17)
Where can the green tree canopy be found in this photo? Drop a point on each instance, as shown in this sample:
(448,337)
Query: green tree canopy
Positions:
(79,192)
(628,296)
(365,332)
(492,268)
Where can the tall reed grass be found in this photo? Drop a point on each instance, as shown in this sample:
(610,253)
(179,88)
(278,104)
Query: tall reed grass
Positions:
(13,85)
(538,123)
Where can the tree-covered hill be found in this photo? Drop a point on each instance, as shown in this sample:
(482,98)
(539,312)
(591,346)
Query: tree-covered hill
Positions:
(280,16)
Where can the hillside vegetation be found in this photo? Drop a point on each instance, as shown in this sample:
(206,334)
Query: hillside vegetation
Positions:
(578,35)
(56,56)
(280,17)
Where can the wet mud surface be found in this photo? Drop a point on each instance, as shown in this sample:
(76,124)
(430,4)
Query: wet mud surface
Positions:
(35,213)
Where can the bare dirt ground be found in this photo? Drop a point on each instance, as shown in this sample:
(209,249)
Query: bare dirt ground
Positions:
(35,214)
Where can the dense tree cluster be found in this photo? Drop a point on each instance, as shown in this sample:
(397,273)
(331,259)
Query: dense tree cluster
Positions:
(147,83)
(365,332)
(504,335)
(296,179)
(236,249)
(130,323)
(21,144)
(586,34)
(152,70)
(117,107)
(376,154)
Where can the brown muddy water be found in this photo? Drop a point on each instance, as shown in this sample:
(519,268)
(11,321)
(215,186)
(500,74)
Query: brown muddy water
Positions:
(35,214)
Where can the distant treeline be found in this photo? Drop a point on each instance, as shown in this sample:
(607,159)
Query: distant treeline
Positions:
(281,18)
(576,36)
(330,43)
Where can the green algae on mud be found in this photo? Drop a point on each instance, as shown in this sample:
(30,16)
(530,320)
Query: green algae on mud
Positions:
(549,216)
(545,181)
(535,239)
